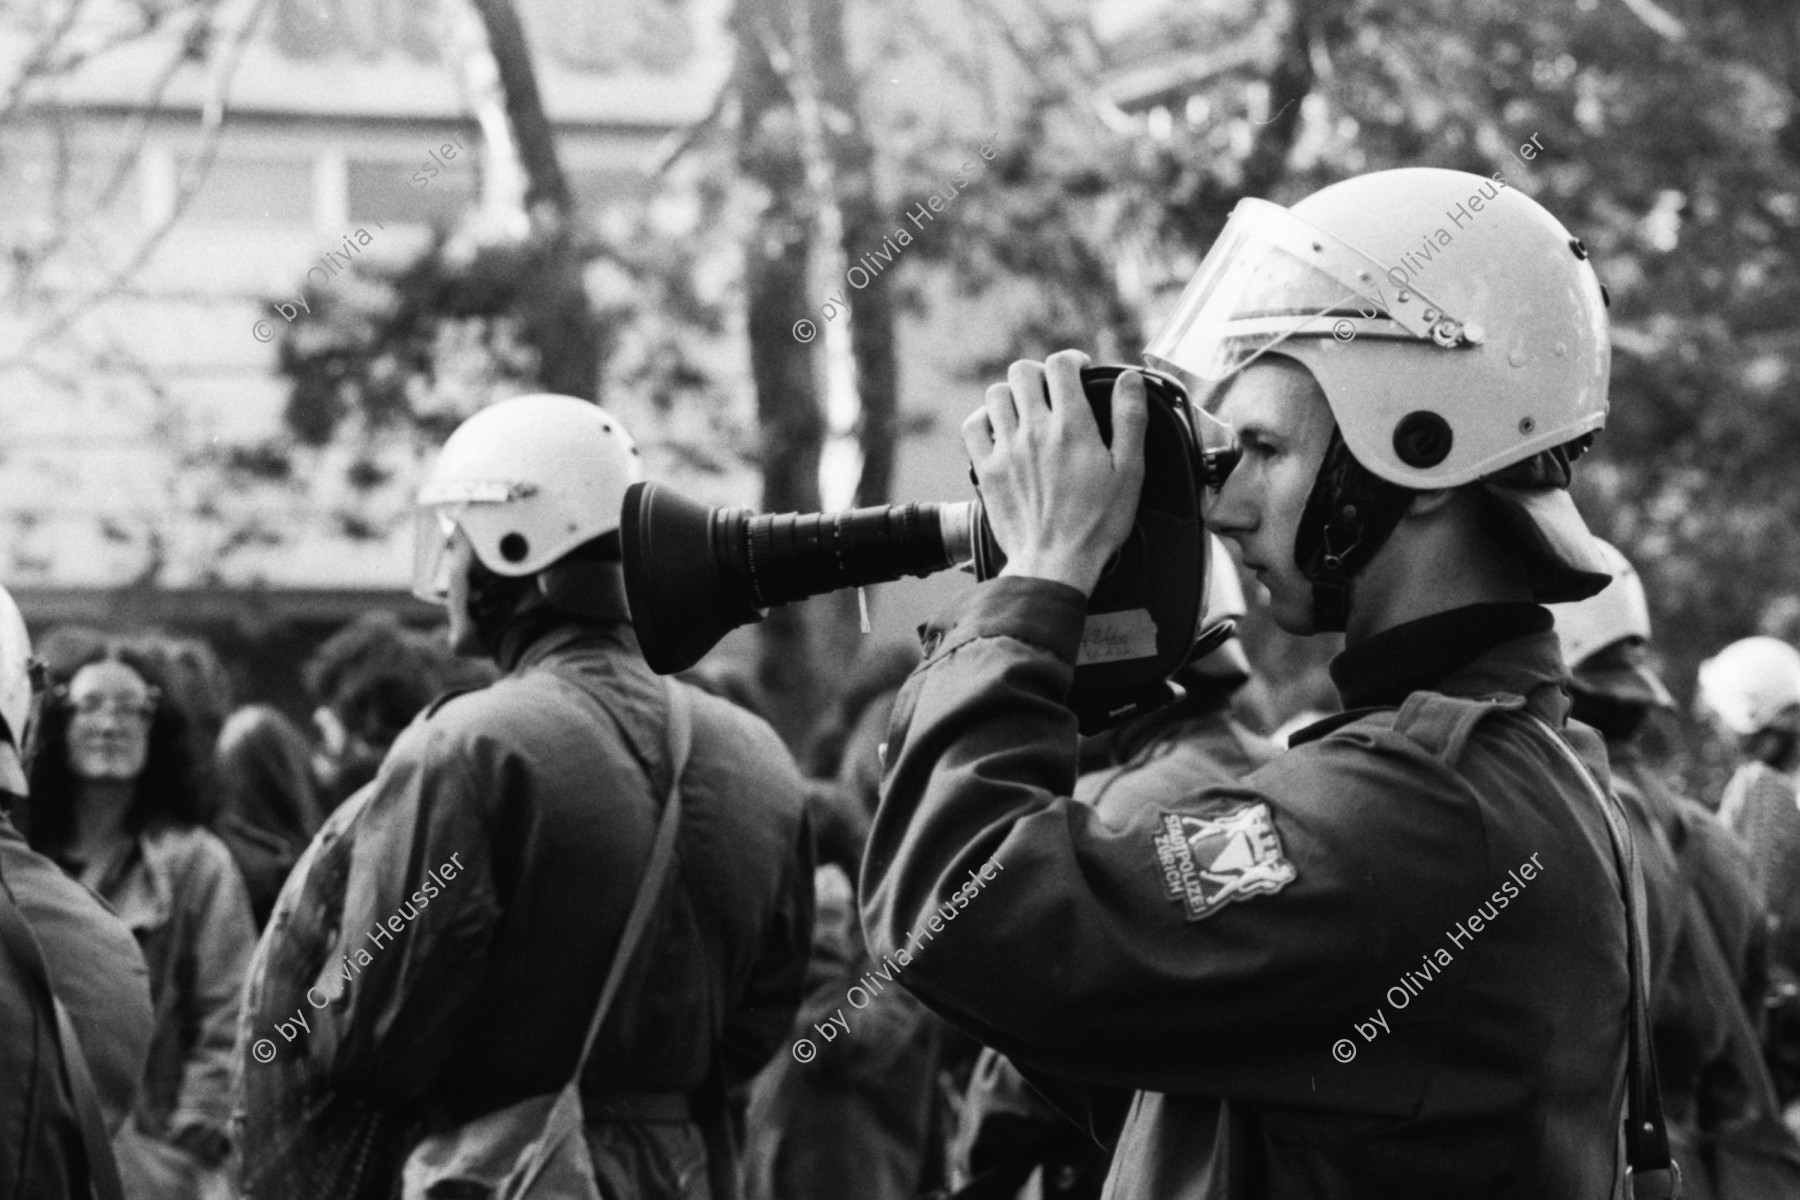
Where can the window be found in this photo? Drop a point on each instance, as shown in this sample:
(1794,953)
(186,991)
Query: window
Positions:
(428,190)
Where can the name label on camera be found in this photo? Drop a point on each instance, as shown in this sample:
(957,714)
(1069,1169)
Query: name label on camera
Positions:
(1117,636)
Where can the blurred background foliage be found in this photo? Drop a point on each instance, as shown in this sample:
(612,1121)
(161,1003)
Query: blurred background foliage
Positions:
(1670,146)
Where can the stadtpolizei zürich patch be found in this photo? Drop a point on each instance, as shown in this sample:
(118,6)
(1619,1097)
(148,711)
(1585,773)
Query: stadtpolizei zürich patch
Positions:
(1233,854)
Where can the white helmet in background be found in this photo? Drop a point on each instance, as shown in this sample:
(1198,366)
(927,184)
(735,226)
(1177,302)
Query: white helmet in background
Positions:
(1750,683)
(18,693)
(1224,601)
(526,480)
(1458,333)
(1618,613)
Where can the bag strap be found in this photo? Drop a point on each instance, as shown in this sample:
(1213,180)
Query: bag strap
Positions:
(662,857)
(1650,1172)
(1715,971)
(102,1169)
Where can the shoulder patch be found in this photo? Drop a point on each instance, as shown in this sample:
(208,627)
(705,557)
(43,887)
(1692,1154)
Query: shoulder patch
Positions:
(1232,854)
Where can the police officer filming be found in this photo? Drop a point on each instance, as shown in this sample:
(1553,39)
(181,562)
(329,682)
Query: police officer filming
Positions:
(1407,486)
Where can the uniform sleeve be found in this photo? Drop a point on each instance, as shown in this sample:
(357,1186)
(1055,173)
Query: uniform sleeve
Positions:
(764,1014)
(1182,949)
(420,910)
(95,966)
(223,941)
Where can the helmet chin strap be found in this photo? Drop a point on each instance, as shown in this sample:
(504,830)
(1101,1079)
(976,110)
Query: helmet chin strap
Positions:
(1348,517)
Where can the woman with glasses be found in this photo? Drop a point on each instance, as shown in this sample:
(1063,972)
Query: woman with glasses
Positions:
(118,801)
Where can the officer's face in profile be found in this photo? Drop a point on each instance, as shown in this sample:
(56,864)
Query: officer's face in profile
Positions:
(1284,426)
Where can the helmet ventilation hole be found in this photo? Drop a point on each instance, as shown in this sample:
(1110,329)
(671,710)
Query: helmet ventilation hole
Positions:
(1422,439)
(514,547)
(1527,424)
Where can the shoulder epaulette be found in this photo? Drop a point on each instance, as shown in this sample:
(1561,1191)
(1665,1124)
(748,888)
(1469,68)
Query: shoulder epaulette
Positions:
(443,698)
(1442,724)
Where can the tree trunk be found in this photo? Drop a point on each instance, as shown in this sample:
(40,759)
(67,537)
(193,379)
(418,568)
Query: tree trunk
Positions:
(866,223)
(557,320)
(777,278)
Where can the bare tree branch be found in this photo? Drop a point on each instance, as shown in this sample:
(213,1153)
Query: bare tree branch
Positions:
(213,114)
(1659,20)
(39,63)
(687,139)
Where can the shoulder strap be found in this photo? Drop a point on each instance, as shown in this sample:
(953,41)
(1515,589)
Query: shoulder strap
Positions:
(102,1170)
(662,857)
(1651,1173)
(1442,724)
(1721,993)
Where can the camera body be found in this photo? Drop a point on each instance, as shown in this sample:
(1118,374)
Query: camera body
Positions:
(694,573)
(1144,613)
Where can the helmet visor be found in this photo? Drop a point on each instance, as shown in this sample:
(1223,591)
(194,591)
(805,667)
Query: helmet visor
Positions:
(1271,276)
(434,538)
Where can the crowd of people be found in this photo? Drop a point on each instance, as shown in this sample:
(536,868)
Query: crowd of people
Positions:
(516,913)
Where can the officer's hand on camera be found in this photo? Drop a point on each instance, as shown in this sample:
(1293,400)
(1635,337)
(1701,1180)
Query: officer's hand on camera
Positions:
(1059,500)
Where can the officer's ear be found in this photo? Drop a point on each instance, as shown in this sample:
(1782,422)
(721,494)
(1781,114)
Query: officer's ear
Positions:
(1430,501)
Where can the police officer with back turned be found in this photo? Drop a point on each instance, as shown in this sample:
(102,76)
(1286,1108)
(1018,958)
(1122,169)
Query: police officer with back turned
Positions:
(544,791)
(1399,960)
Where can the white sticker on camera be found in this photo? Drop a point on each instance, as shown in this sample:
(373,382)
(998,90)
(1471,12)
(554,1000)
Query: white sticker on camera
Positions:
(1117,636)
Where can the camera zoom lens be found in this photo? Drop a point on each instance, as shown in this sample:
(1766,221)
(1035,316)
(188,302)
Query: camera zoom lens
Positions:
(790,556)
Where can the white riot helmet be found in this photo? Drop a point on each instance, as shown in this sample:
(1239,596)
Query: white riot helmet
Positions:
(20,686)
(1750,683)
(1603,637)
(1458,333)
(527,480)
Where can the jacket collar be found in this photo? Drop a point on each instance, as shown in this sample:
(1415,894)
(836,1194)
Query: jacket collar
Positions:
(526,646)
(603,658)
(142,892)
(1452,652)
(1483,650)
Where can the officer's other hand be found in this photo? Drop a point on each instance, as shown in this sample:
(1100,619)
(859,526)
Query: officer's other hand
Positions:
(1060,502)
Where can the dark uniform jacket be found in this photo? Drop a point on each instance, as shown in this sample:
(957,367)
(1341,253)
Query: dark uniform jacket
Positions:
(60,940)
(854,1122)
(490,881)
(1701,1063)
(1397,953)
(1008,1125)
(95,965)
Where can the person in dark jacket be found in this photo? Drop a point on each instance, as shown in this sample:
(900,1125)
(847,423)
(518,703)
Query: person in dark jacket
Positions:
(118,800)
(504,837)
(1397,960)
(58,944)
(1712,1075)
(858,1122)
(1011,1125)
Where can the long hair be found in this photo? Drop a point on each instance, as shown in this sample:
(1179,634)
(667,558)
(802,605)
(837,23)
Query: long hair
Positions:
(173,787)
(265,775)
